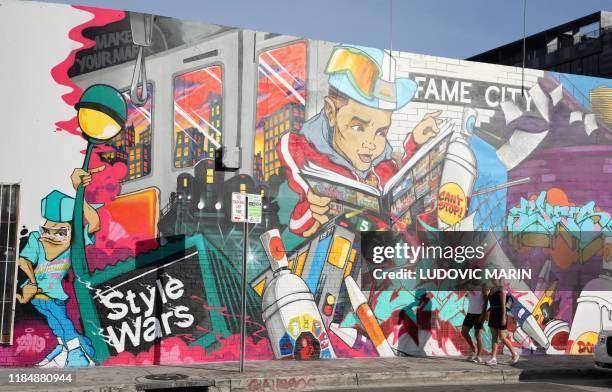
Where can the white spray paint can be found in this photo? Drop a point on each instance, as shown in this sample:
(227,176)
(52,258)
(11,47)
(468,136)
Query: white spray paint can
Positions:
(458,174)
(292,319)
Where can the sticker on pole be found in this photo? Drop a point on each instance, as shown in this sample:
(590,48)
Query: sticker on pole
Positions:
(254,206)
(246,207)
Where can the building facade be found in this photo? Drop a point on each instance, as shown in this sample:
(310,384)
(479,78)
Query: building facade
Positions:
(582,46)
(343,142)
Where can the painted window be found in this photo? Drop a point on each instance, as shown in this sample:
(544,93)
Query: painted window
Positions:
(198,115)
(9,202)
(281,89)
(132,147)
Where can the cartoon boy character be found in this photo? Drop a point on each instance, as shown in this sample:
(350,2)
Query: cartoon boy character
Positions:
(45,260)
(349,135)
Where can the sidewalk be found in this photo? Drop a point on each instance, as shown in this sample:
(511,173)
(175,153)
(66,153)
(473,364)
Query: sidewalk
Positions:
(364,373)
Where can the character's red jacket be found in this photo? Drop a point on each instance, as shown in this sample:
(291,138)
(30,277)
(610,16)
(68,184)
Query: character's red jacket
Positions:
(294,150)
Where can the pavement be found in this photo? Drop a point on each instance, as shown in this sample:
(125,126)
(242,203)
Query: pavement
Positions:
(575,385)
(265,376)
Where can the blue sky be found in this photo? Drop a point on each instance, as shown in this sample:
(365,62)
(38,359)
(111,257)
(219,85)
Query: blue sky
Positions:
(449,28)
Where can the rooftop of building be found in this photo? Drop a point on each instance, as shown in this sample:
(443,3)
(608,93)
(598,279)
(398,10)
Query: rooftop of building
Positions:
(578,30)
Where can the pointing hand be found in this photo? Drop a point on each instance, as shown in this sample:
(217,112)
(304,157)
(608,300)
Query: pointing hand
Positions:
(80,176)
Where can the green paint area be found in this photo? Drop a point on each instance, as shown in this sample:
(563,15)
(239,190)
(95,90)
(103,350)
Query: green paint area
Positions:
(219,284)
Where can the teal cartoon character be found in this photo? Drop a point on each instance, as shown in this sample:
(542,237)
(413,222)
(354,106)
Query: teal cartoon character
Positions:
(45,260)
(47,255)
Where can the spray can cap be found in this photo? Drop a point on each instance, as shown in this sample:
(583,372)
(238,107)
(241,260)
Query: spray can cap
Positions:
(468,122)
(275,250)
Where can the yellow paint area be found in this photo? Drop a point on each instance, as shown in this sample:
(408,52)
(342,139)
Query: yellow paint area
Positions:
(339,252)
(97,125)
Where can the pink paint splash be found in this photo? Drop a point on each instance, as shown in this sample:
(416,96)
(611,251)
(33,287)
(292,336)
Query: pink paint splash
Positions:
(32,341)
(105,186)
(343,350)
(259,333)
(100,17)
(175,350)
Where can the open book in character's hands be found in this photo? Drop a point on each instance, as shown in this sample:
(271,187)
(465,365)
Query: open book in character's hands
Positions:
(412,179)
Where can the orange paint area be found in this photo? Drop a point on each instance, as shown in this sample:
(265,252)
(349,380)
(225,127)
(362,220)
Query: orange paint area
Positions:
(277,249)
(368,320)
(137,212)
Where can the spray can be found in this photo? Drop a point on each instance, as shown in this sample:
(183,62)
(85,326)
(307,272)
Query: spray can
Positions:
(458,174)
(292,319)
(557,332)
(368,319)
(523,339)
(545,301)
(526,321)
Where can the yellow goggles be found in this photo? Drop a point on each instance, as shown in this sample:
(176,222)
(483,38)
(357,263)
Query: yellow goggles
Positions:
(360,68)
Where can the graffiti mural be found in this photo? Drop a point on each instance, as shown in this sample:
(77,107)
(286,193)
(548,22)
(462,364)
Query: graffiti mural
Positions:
(132,258)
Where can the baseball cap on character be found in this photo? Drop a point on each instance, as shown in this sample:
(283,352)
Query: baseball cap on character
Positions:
(59,207)
(367,75)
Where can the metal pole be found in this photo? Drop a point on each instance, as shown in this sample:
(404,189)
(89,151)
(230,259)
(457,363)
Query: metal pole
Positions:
(391,25)
(390,70)
(390,33)
(5,258)
(524,49)
(245,237)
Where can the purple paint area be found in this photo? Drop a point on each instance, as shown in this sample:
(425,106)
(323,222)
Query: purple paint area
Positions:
(582,172)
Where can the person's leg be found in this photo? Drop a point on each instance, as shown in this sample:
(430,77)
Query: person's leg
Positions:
(465,332)
(58,309)
(70,331)
(506,342)
(478,332)
(56,357)
(42,306)
(494,337)
(78,355)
